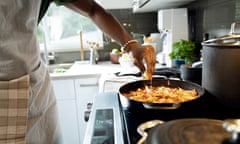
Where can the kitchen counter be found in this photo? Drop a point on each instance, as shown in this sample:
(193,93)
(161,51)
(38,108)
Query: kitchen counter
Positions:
(83,68)
(104,70)
(80,69)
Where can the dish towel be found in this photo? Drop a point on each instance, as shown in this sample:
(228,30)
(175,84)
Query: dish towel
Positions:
(14,96)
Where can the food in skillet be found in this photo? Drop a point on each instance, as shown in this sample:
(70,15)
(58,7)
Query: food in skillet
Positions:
(161,94)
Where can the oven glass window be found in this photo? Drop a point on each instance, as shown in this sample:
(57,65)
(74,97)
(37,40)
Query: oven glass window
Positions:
(103,127)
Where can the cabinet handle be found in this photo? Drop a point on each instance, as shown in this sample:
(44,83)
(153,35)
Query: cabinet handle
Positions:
(88,85)
(89,105)
(86,115)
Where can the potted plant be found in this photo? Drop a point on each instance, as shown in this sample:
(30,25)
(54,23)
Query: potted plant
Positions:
(183,51)
(114,55)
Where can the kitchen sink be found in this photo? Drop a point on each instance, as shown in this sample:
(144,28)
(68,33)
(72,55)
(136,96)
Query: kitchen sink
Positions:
(59,68)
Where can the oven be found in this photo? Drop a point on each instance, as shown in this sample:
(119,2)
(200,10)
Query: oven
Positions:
(105,124)
(111,123)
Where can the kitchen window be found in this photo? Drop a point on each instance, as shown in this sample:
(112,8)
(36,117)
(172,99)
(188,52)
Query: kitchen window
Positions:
(60,29)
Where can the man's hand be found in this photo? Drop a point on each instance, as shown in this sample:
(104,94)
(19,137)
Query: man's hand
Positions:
(143,54)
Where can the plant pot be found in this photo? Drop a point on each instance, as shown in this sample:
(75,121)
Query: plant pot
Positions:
(178,62)
(114,58)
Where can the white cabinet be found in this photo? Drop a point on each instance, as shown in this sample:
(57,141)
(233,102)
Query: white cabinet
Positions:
(67,109)
(73,95)
(86,89)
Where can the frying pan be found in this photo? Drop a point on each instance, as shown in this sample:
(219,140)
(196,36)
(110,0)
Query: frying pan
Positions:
(126,102)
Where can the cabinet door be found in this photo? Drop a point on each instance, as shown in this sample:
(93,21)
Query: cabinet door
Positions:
(67,109)
(86,89)
(68,121)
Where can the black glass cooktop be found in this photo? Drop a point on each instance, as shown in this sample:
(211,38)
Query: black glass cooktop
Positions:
(205,107)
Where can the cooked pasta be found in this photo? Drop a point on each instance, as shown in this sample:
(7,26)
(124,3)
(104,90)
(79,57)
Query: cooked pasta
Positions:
(161,94)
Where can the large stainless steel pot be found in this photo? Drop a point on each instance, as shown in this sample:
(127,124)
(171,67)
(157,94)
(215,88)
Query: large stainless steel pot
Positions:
(190,131)
(221,68)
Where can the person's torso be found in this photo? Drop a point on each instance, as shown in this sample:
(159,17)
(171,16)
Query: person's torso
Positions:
(19,51)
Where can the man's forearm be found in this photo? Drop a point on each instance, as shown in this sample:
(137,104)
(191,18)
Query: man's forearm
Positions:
(103,19)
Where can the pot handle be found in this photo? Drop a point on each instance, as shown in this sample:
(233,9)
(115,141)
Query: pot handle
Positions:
(144,126)
(167,106)
(233,126)
(232,36)
(233,25)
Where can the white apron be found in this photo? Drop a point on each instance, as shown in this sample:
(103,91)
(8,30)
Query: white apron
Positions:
(19,56)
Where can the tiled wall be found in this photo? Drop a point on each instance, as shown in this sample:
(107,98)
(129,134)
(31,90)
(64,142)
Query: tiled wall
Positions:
(209,16)
(140,23)
(205,16)
(213,17)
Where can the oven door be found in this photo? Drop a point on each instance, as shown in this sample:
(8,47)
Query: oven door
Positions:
(105,121)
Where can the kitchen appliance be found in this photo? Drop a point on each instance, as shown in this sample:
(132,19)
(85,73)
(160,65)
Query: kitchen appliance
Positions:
(221,67)
(105,121)
(173,26)
(111,122)
(183,131)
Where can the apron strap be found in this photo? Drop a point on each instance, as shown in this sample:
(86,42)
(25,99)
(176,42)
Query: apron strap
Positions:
(14,96)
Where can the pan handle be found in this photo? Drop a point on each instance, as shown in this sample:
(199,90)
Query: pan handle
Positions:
(144,126)
(167,106)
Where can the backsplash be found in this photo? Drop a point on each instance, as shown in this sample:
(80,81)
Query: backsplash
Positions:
(213,17)
(137,23)
(206,16)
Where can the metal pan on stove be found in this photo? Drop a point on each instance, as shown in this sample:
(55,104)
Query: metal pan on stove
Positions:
(128,103)
(183,131)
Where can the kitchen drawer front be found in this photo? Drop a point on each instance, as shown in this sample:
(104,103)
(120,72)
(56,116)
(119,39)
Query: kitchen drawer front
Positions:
(64,89)
(87,82)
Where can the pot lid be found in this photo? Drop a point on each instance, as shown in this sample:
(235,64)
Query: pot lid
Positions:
(233,39)
(188,131)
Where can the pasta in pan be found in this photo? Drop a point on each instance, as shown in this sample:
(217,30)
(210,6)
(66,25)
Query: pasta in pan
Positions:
(161,94)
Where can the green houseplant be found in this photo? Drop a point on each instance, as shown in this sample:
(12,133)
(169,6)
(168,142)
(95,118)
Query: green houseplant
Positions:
(183,50)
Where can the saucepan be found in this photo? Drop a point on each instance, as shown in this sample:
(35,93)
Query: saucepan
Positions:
(221,67)
(187,131)
(127,102)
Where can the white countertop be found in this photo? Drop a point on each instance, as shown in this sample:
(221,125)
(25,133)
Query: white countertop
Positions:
(79,69)
(84,69)
(105,71)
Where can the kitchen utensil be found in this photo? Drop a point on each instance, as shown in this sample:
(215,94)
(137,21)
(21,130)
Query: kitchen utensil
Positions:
(183,131)
(221,67)
(128,103)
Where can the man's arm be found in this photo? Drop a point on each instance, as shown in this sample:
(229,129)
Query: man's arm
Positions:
(109,25)
(103,19)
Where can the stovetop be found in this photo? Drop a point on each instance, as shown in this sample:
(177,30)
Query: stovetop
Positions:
(205,107)
(124,121)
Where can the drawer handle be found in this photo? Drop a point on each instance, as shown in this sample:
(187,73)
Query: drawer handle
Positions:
(88,85)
